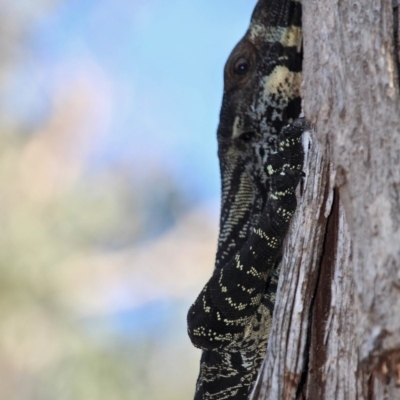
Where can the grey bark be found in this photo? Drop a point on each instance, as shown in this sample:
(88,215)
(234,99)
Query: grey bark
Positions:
(336,330)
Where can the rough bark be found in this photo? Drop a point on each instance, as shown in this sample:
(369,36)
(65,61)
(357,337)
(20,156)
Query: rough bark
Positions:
(336,331)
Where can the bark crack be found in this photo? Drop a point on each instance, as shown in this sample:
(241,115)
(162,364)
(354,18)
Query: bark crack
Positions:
(311,385)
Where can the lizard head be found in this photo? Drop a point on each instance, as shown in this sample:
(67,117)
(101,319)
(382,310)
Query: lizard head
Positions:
(262,79)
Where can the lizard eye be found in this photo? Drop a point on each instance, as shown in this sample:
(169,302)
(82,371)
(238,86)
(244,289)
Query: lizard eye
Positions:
(247,136)
(241,66)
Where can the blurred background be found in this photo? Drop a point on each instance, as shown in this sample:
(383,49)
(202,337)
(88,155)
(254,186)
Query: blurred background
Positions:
(109,191)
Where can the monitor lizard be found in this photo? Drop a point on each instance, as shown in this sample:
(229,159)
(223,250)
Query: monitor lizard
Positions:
(261,158)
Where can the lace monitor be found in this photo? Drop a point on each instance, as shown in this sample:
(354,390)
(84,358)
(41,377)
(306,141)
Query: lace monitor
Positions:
(261,158)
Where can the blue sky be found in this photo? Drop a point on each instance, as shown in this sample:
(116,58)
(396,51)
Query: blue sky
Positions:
(163,61)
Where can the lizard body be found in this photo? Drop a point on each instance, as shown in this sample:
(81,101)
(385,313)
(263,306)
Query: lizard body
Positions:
(261,159)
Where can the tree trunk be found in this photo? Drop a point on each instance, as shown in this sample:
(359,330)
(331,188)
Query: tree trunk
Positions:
(336,329)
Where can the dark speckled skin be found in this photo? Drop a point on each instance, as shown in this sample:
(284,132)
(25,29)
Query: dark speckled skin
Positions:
(261,159)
